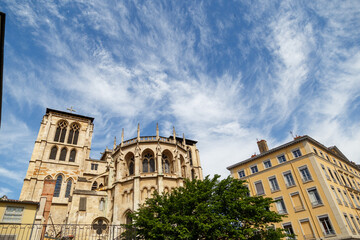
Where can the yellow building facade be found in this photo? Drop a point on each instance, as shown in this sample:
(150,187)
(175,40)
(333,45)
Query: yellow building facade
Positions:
(14,216)
(316,187)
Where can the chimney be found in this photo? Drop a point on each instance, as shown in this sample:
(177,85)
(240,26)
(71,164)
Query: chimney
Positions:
(263,147)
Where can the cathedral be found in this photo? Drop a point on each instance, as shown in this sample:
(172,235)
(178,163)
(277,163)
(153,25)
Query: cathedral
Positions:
(84,190)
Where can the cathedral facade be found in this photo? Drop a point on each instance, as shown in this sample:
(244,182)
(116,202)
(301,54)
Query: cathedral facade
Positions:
(86,190)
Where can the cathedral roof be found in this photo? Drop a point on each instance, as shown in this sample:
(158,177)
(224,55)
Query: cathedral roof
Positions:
(48,110)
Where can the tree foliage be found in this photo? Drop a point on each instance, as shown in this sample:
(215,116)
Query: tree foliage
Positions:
(208,209)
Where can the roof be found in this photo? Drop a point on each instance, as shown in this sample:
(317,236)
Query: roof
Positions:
(187,141)
(48,110)
(295,141)
(5,199)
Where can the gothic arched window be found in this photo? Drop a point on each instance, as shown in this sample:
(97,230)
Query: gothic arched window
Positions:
(166,163)
(73,134)
(63,154)
(192,174)
(145,165)
(58,186)
(68,188)
(72,156)
(190,157)
(131,168)
(61,131)
(148,163)
(53,153)
(94,186)
(152,165)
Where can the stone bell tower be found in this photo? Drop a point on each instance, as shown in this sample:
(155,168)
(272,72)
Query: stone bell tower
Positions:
(62,145)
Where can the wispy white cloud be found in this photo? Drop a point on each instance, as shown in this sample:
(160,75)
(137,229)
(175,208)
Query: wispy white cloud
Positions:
(295,66)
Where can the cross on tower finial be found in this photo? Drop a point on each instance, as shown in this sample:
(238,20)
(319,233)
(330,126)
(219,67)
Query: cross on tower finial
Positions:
(71,109)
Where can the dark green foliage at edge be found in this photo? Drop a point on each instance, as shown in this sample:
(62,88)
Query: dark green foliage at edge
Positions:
(208,209)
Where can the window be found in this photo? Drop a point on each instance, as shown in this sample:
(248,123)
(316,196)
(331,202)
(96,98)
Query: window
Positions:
(334,161)
(152,165)
(58,186)
(355,187)
(358,199)
(348,199)
(297,202)
(190,157)
(280,205)
(60,131)
(326,225)
(335,194)
(53,153)
(332,176)
(254,169)
(274,186)
(130,162)
(63,154)
(346,167)
(72,156)
(342,197)
(148,163)
(73,134)
(102,204)
(326,175)
(315,151)
(145,165)
(267,163)
(289,180)
(337,177)
(82,204)
(68,188)
(94,166)
(355,224)
(13,214)
(193,174)
(166,163)
(289,230)
(342,177)
(321,154)
(358,220)
(327,157)
(259,188)
(354,199)
(341,165)
(94,186)
(296,153)
(131,168)
(349,182)
(306,228)
(349,223)
(314,197)
(305,174)
(281,158)
(241,173)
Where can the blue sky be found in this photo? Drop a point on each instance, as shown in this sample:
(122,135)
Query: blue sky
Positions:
(225,73)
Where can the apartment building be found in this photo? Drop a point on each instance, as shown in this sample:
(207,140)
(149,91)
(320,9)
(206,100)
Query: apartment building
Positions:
(316,188)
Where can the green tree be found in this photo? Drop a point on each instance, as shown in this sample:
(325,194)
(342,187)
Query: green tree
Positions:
(208,209)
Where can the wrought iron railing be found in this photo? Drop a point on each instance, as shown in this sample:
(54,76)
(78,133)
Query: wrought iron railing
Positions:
(60,232)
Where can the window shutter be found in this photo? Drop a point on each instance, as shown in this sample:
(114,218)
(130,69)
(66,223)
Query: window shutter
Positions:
(82,205)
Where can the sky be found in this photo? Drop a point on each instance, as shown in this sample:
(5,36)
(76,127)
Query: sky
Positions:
(224,73)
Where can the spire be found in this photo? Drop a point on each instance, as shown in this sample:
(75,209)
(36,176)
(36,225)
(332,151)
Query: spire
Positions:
(183,139)
(138,133)
(174,134)
(114,143)
(122,138)
(157,131)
